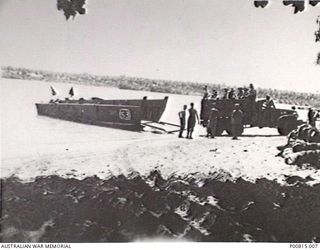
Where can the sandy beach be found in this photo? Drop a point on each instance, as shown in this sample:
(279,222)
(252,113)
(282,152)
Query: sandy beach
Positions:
(41,146)
(99,184)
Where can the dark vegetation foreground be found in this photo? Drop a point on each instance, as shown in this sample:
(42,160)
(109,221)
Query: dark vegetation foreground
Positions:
(121,209)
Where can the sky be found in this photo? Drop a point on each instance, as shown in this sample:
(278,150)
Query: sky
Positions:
(215,41)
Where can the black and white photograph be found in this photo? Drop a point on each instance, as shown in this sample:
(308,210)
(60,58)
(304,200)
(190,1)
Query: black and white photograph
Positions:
(160,121)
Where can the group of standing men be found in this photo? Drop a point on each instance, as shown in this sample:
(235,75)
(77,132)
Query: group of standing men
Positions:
(192,119)
(236,121)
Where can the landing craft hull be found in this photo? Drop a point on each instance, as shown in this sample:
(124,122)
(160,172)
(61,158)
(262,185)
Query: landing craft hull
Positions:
(122,114)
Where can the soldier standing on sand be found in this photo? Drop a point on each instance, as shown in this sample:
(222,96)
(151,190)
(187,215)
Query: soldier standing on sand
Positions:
(213,121)
(316,116)
(193,117)
(236,122)
(311,117)
(182,117)
(205,96)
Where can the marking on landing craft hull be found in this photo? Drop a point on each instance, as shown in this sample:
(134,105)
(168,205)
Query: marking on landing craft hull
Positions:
(125,114)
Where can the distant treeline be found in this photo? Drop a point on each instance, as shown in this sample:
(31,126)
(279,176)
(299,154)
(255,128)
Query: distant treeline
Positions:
(154,85)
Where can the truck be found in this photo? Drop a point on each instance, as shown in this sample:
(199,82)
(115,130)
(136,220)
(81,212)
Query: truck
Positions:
(285,120)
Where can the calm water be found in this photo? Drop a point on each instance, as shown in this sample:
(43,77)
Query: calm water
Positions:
(24,132)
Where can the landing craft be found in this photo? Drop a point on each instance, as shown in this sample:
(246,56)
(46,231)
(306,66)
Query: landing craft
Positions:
(122,114)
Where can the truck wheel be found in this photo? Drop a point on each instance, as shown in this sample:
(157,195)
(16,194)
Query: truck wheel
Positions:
(286,124)
(283,130)
(286,128)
